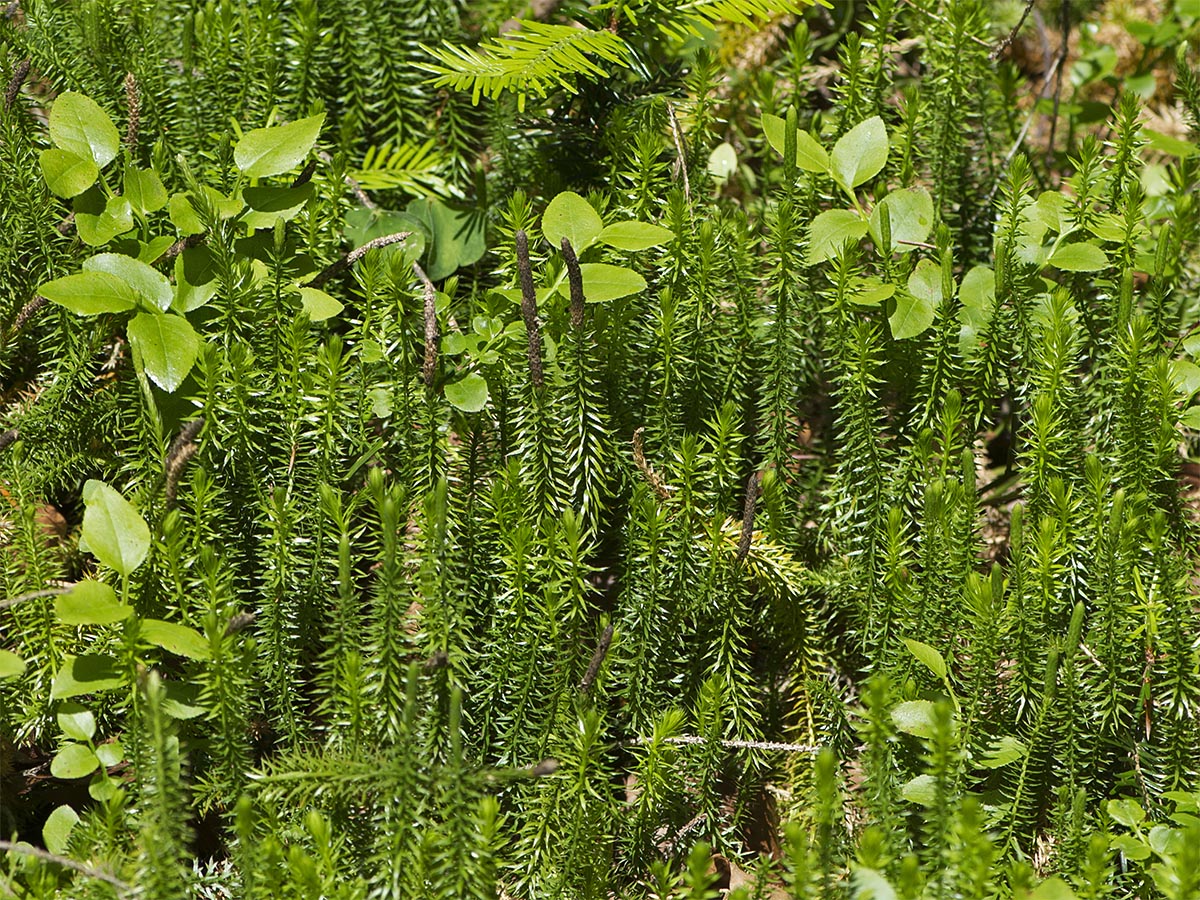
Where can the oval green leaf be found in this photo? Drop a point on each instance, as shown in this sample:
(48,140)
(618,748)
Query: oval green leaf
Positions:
(90,603)
(1081,257)
(11,665)
(183,215)
(98,221)
(111,753)
(860,153)
(910,213)
(913,315)
(115,532)
(318,304)
(90,293)
(927,656)
(78,125)
(149,283)
(469,393)
(76,721)
(572,217)
(830,230)
(85,675)
(810,155)
(273,151)
(57,830)
(634,235)
(722,162)
(145,190)
(602,282)
(1002,752)
(67,174)
(921,790)
(167,345)
(177,639)
(914,717)
(74,761)
(269,205)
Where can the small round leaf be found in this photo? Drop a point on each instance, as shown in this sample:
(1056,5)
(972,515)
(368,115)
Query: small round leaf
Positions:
(469,393)
(76,721)
(67,174)
(74,761)
(572,217)
(57,830)
(11,665)
(78,125)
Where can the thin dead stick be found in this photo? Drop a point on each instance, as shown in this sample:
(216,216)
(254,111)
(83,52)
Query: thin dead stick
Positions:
(639,457)
(1064,24)
(1012,151)
(735,745)
(187,243)
(529,311)
(46,856)
(354,186)
(1012,35)
(355,255)
(677,135)
(34,595)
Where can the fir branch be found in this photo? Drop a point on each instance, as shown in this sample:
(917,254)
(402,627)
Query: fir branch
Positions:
(534,58)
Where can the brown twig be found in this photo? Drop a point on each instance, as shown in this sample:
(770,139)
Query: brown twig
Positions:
(187,243)
(182,449)
(1012,35)
(306,174)
(28,311)
(46,856)
(681,156)
(355,255)
(33,595)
